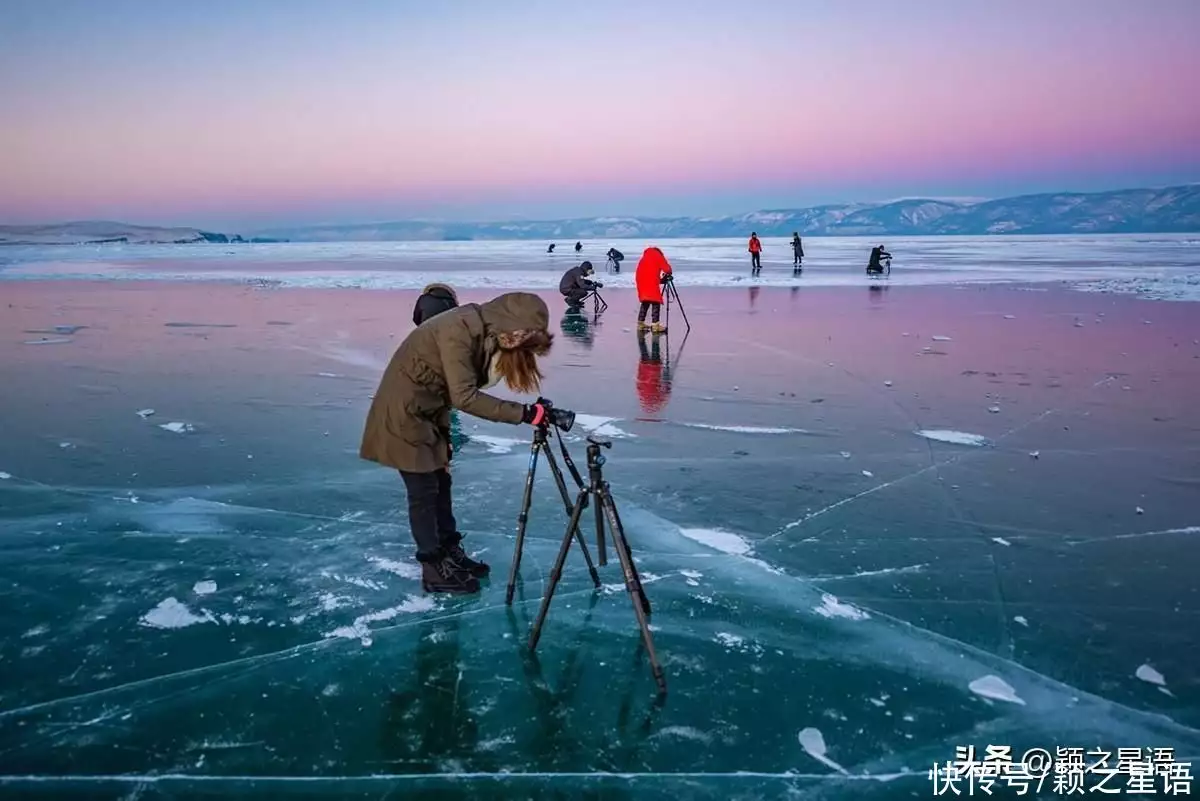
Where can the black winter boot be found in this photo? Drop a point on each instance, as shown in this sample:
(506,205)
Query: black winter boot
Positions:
(445,576)
(457,556)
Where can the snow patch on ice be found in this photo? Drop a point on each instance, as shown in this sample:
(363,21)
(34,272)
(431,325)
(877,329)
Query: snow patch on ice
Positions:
(50,341)
(1001,541)
(685,732)
(36,631)
(144,413)
(600,426)
(718,539)
(204,587)
(940,339)
(747,429)
(831,607)
(5,476)
(953,437)
(995,688)
(1149,674)
(497,444)
(692,574)
(403,569)
(171,614)
(1021,619)
(813,743)
(176,428)
(358,630)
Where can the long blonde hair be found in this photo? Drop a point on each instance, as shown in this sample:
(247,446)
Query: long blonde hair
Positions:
(516,359)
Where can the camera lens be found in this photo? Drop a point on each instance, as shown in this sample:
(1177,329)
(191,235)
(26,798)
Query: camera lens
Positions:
(564,419)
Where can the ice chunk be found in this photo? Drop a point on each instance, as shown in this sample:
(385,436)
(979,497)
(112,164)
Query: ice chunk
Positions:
(994,409)
(497,444)
(1001,541)
(1010,317)
(144,413)
(1020,619)
(995,688)
(718,539)
(729,640)
(953,437)
(1140,511)
(204,587)
(868,474)
(171,614)
(813,743)
(940,339)
(845,454)
(831,607)
(177,428)
(36,631)
(887,383)
(692,574)
(5,476)
(1149,674)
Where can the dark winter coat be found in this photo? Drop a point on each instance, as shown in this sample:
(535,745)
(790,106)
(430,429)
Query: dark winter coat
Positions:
(877,253)
(435,299)
(797,247)
(440,365)
(573,281)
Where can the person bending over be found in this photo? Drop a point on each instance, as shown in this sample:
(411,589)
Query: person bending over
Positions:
(442,364)
(575,284)
(615,257)
(878,254)
(434,299)
(652,272)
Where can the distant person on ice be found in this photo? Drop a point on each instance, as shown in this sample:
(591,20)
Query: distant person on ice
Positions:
(446,363)
(578,246)
(797,253)
(434,299)
(575,284)
(755,248)
(551,248)
(652,272)
(878,255)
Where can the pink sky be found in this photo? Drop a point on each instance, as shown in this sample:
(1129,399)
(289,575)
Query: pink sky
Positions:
(249,112)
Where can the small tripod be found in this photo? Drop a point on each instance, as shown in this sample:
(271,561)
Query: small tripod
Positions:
(540,446)
(598,491)
(669,292)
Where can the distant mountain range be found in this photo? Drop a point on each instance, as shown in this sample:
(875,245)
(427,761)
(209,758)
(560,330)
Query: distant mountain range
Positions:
(1173,209)
(112,233)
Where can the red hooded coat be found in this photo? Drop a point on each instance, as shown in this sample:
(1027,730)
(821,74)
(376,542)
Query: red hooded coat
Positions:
(651,268)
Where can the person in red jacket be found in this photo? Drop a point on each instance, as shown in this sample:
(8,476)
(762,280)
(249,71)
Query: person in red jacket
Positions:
(653,271)
(755,249)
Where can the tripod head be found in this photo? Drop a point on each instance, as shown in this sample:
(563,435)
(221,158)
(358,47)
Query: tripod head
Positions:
(594,458)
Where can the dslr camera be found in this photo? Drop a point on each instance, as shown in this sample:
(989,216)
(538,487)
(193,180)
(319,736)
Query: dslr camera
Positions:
(562,419)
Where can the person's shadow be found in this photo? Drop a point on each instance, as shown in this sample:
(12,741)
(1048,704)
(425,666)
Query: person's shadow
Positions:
(429,723)
(576,326)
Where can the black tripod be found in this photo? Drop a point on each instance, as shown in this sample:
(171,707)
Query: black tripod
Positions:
(598,491)
(599,304)
(540,445)
(669,292)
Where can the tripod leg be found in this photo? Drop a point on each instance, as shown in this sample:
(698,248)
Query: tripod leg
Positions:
(556,571)
(562,489)
(632,582)
(522,519)
(618,530)
(600,535)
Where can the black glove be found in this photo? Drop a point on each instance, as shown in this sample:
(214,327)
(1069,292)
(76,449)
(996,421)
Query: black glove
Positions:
(597,285)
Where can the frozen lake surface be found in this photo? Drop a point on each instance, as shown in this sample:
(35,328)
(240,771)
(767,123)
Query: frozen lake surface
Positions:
(875,524)
(1157,266)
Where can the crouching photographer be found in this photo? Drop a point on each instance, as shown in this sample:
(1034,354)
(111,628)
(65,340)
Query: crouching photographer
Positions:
(445,364)
(575,284)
